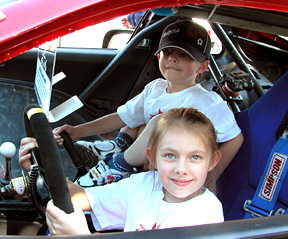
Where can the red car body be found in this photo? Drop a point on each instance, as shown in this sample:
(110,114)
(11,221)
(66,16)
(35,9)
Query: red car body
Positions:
(29,23)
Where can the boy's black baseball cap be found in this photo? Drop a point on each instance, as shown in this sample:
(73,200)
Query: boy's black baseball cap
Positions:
(189,37)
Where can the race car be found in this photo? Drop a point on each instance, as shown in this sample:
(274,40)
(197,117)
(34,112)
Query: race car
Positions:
(248,66)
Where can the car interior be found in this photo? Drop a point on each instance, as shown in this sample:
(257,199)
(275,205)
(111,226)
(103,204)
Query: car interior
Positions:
(249,73)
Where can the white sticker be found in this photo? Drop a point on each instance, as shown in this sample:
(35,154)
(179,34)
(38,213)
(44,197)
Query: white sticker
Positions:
(66,108)
(2,16)
(58,77)
(19,186)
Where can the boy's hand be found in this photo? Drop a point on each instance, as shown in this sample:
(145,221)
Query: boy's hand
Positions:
(68,129)
(25,146)
(61,223)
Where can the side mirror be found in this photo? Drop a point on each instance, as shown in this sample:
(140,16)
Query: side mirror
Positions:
(116,39)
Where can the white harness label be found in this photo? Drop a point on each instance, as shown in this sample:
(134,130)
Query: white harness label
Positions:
(272,177)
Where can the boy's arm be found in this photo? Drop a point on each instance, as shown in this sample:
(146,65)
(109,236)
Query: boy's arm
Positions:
(105,124)
(228,149)
(136,154)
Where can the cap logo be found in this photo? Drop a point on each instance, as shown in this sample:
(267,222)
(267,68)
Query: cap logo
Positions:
(199,41)
(172,31)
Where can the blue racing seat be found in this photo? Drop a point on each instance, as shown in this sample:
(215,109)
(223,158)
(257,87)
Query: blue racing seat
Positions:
(259,125)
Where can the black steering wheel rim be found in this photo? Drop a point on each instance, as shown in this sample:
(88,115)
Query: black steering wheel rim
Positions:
(37,125)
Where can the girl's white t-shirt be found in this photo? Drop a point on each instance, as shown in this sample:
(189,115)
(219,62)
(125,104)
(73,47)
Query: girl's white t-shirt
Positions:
(154,100)
(134,204)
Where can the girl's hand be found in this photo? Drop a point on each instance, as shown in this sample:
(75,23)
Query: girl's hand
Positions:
(61,223)
(25,146)
(69,130)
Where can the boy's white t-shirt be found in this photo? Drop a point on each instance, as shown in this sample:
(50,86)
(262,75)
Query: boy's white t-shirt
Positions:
(154,100)
(134,204)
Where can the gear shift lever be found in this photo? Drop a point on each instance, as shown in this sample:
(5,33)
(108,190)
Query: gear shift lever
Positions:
(8,150)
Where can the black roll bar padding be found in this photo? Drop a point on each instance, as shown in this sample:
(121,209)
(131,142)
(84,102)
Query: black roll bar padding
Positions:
(73,153)
(37,125)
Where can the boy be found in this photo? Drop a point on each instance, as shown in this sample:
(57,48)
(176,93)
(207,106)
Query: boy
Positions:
(183,55)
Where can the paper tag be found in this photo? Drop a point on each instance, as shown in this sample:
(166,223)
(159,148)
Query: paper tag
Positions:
(43,87)
(44,80)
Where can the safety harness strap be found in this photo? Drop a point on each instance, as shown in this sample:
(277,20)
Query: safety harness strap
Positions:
(270,183)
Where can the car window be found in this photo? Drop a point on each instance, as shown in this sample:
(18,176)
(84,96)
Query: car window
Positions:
(93,36)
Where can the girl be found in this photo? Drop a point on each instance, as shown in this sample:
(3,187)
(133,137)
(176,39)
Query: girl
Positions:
(182,152)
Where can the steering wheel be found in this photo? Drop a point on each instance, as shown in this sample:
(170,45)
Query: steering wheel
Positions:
(37,125)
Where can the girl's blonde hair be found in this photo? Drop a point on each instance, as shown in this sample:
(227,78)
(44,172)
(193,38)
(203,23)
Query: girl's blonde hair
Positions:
(192,120)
